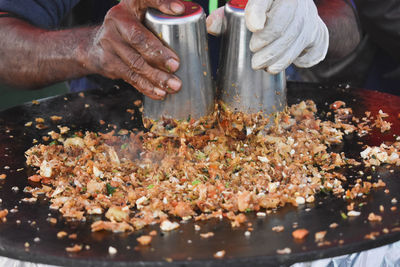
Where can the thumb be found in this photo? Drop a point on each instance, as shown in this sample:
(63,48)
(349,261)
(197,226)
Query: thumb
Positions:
(214,21)
(256,14)
(169,7)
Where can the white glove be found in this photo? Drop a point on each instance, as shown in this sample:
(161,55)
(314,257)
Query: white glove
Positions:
(284,32)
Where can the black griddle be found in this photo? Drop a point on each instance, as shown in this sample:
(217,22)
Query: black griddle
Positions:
(184,246)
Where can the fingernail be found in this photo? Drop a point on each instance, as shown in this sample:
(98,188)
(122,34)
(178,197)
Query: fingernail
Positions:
(174,84)
(177,8)
(172,65)
(159,92)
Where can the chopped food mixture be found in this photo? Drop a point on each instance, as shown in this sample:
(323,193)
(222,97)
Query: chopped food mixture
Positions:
(3,215)
(75,248)
(300,233)
(222,165)
(219,254)
(144,240)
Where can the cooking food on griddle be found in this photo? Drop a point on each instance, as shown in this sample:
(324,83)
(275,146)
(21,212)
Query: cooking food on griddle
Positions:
(222,165)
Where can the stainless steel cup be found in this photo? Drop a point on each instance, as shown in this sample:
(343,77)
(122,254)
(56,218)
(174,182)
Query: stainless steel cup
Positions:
(238,85)
(187,35)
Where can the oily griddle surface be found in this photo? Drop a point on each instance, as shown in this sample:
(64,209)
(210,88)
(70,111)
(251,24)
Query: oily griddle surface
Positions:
(184,246)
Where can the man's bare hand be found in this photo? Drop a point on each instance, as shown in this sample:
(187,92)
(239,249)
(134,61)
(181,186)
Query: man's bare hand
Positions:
(122,48)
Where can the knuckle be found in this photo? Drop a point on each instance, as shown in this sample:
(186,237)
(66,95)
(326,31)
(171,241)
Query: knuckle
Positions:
(137,62)
(137,37)
(133,77)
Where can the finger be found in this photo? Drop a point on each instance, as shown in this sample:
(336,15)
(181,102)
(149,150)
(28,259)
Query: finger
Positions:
(214,21)
(256,14)
(136,63)
(266,57)
(317,52)
(142,84)
(170,7)
(148,46)
(115,68)
(271,53)
(282,14)
(288,57)
(138,7)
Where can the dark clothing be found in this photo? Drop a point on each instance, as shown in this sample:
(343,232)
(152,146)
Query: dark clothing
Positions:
(49,13)
(42,13)
(375,63)
(381,21)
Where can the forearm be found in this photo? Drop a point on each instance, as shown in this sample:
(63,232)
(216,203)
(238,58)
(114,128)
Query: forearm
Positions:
(344,33)
(33,58)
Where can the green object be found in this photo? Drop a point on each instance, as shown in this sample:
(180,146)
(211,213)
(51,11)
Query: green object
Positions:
(110,189)
(195,182)
(344,216)
(10,97)
(212,5)
(52,143)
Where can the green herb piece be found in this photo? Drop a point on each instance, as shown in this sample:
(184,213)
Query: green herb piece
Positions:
(247,210)
(189,118)
(124,146)
(195,182)
(110,189)
(52,143)
(326,191)
(115,171)
(84,189)
(224,107)
(344,216)
(200,155)
(150,186)
(227,184)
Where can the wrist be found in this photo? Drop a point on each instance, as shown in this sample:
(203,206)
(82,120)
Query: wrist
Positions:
(85,51)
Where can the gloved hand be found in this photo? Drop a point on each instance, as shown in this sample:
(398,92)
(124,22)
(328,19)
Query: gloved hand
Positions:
(284,32)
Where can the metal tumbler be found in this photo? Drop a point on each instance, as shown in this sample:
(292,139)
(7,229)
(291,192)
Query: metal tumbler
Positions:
(187,35)
(239,86)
